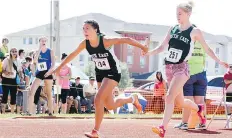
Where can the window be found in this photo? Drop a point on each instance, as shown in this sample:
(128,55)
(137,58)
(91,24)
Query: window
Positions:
(81,58)
(217,50)
(129,59)
(216,65)
(30,41)
(142,61)
(24,41)
(36,40)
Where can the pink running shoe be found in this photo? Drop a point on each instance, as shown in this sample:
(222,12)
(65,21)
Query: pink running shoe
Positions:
(159,131)
(201,114)
(93,134)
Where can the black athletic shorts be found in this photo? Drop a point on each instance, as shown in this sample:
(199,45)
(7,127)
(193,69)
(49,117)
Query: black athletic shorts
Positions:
(62,96)
(113,76)
(228,97)
(40,75)
(37,95)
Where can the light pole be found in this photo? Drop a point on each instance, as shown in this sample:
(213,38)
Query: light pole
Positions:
(56,45)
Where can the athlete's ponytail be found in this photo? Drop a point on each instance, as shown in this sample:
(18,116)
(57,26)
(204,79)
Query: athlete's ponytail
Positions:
(95,25)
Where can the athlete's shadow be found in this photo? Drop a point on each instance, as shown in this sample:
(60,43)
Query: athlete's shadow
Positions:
(203,131)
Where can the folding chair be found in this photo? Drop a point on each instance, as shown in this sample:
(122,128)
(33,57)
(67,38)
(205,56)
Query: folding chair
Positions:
(219,99)
(229,104)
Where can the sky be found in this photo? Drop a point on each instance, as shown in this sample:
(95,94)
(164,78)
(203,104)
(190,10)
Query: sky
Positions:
(213,16)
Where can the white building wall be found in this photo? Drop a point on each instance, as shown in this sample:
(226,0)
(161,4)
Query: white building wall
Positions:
(67,45)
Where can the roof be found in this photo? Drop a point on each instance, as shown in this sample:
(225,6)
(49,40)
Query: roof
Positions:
(108,26)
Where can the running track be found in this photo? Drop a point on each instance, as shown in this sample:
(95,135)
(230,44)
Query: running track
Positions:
(111,128)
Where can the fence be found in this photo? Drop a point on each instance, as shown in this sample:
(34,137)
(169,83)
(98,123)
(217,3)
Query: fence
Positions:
(156,104)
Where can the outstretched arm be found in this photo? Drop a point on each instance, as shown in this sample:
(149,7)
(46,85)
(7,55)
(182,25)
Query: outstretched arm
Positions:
(163,45)
(72,55)
(197,34)
(108,42)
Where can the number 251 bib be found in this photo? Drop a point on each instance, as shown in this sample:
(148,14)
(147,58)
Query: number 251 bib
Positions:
(42,66)
(174,55)
(102,63)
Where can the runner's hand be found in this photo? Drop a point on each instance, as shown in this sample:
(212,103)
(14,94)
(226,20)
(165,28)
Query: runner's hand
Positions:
(226,65)
(50,72)
(146,46)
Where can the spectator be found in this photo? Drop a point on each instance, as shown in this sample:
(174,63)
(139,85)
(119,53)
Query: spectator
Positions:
(42,103)
(228,82)
(159,91)
(115,94)
(37,94)
(63,79)
(81,99)
(115,91)
(71,98)
(4,48)
(27,70)
(11,67)
(19,96)
(21,55)
(90,90)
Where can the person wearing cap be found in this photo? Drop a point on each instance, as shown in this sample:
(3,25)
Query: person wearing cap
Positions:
(90,90)
(81,99)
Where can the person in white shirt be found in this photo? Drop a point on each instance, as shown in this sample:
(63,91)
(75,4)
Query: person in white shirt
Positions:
(90,90)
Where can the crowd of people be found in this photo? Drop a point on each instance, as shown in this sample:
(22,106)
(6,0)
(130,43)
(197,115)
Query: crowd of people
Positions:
(184,69)
(23,74)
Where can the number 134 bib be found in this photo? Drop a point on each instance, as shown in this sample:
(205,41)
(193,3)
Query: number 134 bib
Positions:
(174,55)
(102,63)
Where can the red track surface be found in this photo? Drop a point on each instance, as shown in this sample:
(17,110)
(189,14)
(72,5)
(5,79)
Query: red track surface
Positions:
(111,128)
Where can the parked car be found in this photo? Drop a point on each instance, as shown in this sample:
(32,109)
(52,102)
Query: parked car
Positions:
(215,83)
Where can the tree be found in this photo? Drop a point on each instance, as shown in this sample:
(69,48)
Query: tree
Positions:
(125,76)
(90,69)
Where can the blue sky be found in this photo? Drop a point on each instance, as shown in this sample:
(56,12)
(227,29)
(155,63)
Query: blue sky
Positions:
(213,16)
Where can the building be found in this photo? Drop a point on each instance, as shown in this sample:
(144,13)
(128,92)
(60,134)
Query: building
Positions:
(71,36)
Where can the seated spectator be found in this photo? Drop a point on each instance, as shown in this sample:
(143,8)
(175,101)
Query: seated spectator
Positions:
(42,103)
(115,91)
(80,98)
(90,90)
(72,95)
(37,94)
